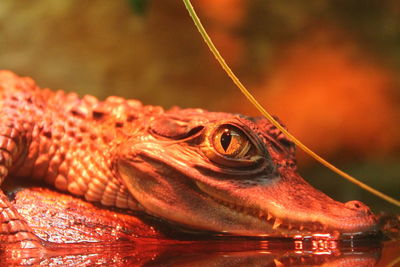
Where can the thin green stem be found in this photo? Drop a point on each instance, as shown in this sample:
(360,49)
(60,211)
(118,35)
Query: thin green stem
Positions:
(243,89)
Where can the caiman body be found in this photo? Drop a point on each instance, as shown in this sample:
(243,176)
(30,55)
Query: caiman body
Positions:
(205,171)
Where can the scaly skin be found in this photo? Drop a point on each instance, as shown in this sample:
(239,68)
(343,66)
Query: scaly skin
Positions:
(203,170)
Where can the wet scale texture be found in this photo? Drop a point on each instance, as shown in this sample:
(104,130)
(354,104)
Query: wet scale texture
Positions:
(59,148)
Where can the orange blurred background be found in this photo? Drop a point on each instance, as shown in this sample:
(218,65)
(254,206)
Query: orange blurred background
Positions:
(328,69)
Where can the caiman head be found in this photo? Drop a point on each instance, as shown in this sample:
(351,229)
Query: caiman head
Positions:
(228,173)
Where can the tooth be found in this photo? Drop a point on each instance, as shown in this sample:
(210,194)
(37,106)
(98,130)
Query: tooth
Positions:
(278,263)
(269,217)
(289,226)
(301,227)
(277,223)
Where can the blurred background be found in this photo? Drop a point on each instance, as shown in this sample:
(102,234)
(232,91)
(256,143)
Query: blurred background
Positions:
(329,69)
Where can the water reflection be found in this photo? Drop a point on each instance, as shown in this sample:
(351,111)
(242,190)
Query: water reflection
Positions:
(204,253)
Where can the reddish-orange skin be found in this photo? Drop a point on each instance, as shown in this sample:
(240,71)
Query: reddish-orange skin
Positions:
(66,141)
(119,153)
(63,140)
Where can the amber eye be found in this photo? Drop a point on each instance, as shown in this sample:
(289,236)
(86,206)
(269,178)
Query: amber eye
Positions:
(230,141)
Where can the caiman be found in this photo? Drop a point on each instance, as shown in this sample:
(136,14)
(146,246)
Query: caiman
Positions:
(204,171)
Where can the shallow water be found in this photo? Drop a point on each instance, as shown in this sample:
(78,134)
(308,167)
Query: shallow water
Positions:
(213,253)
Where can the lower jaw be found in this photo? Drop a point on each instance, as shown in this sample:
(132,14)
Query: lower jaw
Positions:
(270,225)
(295,233)
(335,236)
(270,234)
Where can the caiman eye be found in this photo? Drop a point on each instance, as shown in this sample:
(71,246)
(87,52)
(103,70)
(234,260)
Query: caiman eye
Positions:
(232,147)
(230,141)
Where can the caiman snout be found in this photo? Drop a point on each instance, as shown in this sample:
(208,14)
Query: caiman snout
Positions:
(359,206)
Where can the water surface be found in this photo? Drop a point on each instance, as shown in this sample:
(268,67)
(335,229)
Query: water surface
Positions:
(147,252)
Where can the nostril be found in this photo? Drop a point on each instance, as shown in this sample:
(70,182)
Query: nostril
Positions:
(358,205)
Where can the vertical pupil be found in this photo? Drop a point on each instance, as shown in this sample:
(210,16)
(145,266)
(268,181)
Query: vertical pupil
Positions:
(226,139)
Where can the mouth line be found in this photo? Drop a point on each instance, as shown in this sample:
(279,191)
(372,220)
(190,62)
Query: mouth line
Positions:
(277,224)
